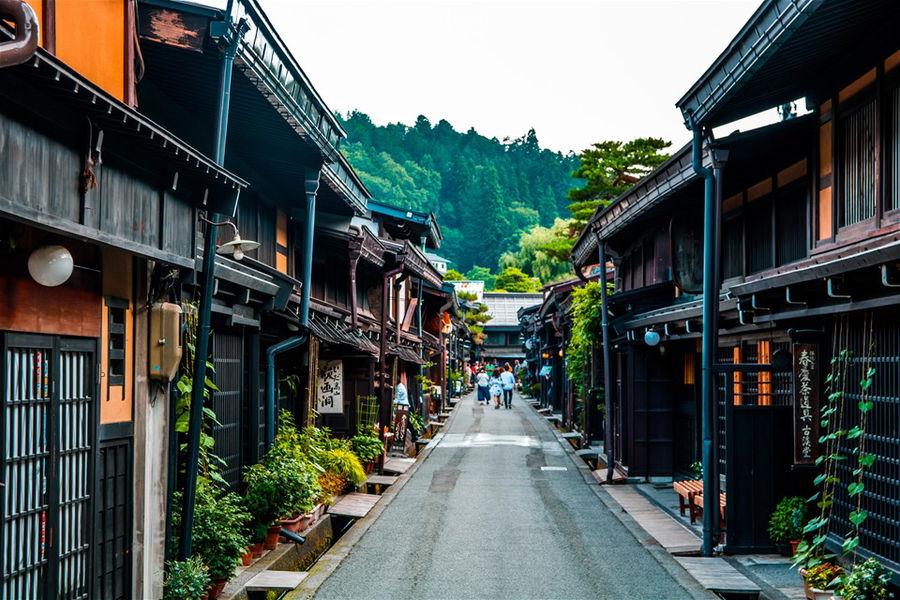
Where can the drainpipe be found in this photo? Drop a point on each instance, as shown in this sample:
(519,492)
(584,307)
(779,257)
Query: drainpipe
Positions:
(423,408)
(709,343)
(384,399)
(24,44)
(608,443)
(311,186)
(232,35)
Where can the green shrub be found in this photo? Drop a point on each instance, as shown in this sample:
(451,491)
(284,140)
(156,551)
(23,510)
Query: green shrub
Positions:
(823,576)
(367,445)
(220,526)
(345,463)
(186,580)
(867,580)
(786,523)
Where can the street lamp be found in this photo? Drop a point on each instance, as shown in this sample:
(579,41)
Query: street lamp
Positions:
(50,266)
(651,338)
(237,247)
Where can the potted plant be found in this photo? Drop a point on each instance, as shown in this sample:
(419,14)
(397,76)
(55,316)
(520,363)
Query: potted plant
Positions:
(787,522)
(186,580)
(819,582)
(367,446)
(867,580)
(219,520)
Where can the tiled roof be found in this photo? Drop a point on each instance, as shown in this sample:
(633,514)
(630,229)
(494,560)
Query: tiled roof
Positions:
(504,307)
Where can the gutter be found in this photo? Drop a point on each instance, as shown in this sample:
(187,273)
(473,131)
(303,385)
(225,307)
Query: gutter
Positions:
(25,41)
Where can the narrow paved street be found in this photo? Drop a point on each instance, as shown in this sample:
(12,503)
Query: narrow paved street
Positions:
(497,525)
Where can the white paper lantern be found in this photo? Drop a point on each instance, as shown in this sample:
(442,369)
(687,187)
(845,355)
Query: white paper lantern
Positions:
(51,265)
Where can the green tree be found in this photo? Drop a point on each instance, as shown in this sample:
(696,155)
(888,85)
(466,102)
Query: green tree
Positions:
(532,257)
(484,274)
(609,168)
(485,192)
(454,275)
(474,318)
(512,279)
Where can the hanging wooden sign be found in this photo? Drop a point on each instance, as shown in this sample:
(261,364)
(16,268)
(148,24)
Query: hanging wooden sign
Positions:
(806,403)
(401,417)
(330,387)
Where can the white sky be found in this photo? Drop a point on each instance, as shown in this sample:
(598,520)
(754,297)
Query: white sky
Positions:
(578,71)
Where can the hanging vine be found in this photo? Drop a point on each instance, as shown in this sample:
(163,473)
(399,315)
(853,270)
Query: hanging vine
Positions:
(814,551)
(209,462)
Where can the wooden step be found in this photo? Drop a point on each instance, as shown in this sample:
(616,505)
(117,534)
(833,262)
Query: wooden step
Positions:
(275,580)
(716,575)
(398,465)
(354,505)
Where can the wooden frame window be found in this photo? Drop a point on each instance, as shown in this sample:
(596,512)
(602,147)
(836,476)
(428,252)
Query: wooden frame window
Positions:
(858,136)
(892,198)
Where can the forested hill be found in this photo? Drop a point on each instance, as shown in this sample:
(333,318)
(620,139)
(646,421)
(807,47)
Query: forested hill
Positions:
(484,192)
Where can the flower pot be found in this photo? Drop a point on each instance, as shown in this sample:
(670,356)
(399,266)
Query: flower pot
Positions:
(215,590)
(318,512)
(247,558)
(815,593)
(369,467)
(272,537)
(294,525)
(256,550)
(794,544)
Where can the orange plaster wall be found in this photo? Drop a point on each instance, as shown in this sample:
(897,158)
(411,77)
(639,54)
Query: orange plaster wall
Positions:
(90,37)
(116,400)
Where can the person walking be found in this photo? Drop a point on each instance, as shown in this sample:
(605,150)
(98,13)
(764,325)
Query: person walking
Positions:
(508,381)
(482,384)
(496,388)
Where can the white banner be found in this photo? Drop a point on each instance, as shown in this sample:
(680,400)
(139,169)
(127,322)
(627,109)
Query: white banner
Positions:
(330,387)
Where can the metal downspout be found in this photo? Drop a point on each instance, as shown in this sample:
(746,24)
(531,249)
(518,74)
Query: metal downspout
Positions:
(311,186)
(608,444)
(709,343)
(201,352)
(423,408)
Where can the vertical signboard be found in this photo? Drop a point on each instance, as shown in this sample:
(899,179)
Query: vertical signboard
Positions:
(806,403)
(330,387)
(401,417)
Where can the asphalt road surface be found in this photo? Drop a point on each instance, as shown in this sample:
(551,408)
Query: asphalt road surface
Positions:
(484,517)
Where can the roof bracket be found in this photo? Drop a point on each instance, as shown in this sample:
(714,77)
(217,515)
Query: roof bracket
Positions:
(666,329)
(790,300)
(886,279)
(687,326)
(833,291)
(743,320)
(755,305)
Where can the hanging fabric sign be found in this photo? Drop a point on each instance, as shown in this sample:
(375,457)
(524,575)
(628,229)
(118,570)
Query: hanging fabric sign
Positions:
(806,403)
(330,387)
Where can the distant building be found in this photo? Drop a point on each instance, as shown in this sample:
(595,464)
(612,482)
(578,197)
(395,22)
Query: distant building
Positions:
(470,287)
(502,334)
(439,262)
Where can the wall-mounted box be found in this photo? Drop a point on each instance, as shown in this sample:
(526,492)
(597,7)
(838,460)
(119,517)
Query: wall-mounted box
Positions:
(165,340)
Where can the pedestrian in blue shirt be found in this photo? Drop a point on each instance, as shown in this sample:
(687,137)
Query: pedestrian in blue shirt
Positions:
(508,381)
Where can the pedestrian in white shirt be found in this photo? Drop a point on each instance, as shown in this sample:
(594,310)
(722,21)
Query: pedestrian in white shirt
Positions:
(508,381)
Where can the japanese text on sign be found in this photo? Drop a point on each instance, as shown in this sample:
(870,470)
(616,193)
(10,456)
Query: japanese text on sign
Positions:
(806,403)
(330,387)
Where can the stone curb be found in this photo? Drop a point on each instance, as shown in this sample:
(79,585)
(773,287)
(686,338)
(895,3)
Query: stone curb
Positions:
(331,560)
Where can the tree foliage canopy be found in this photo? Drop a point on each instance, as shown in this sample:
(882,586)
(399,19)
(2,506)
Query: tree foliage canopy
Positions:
(609,169)
(513,279)
(484,191)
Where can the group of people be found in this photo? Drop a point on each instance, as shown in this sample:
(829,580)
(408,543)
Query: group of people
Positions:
(499,384)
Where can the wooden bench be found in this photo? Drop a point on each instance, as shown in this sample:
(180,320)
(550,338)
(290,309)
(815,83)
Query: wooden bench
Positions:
(697,509)
(421,443)
(719,577)
(686,490)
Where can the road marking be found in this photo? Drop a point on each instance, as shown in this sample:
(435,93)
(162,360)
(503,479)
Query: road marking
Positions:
(553,469)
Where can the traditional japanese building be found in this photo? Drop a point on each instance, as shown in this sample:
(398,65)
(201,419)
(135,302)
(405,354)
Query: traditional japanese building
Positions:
(99,218)
(806,264)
